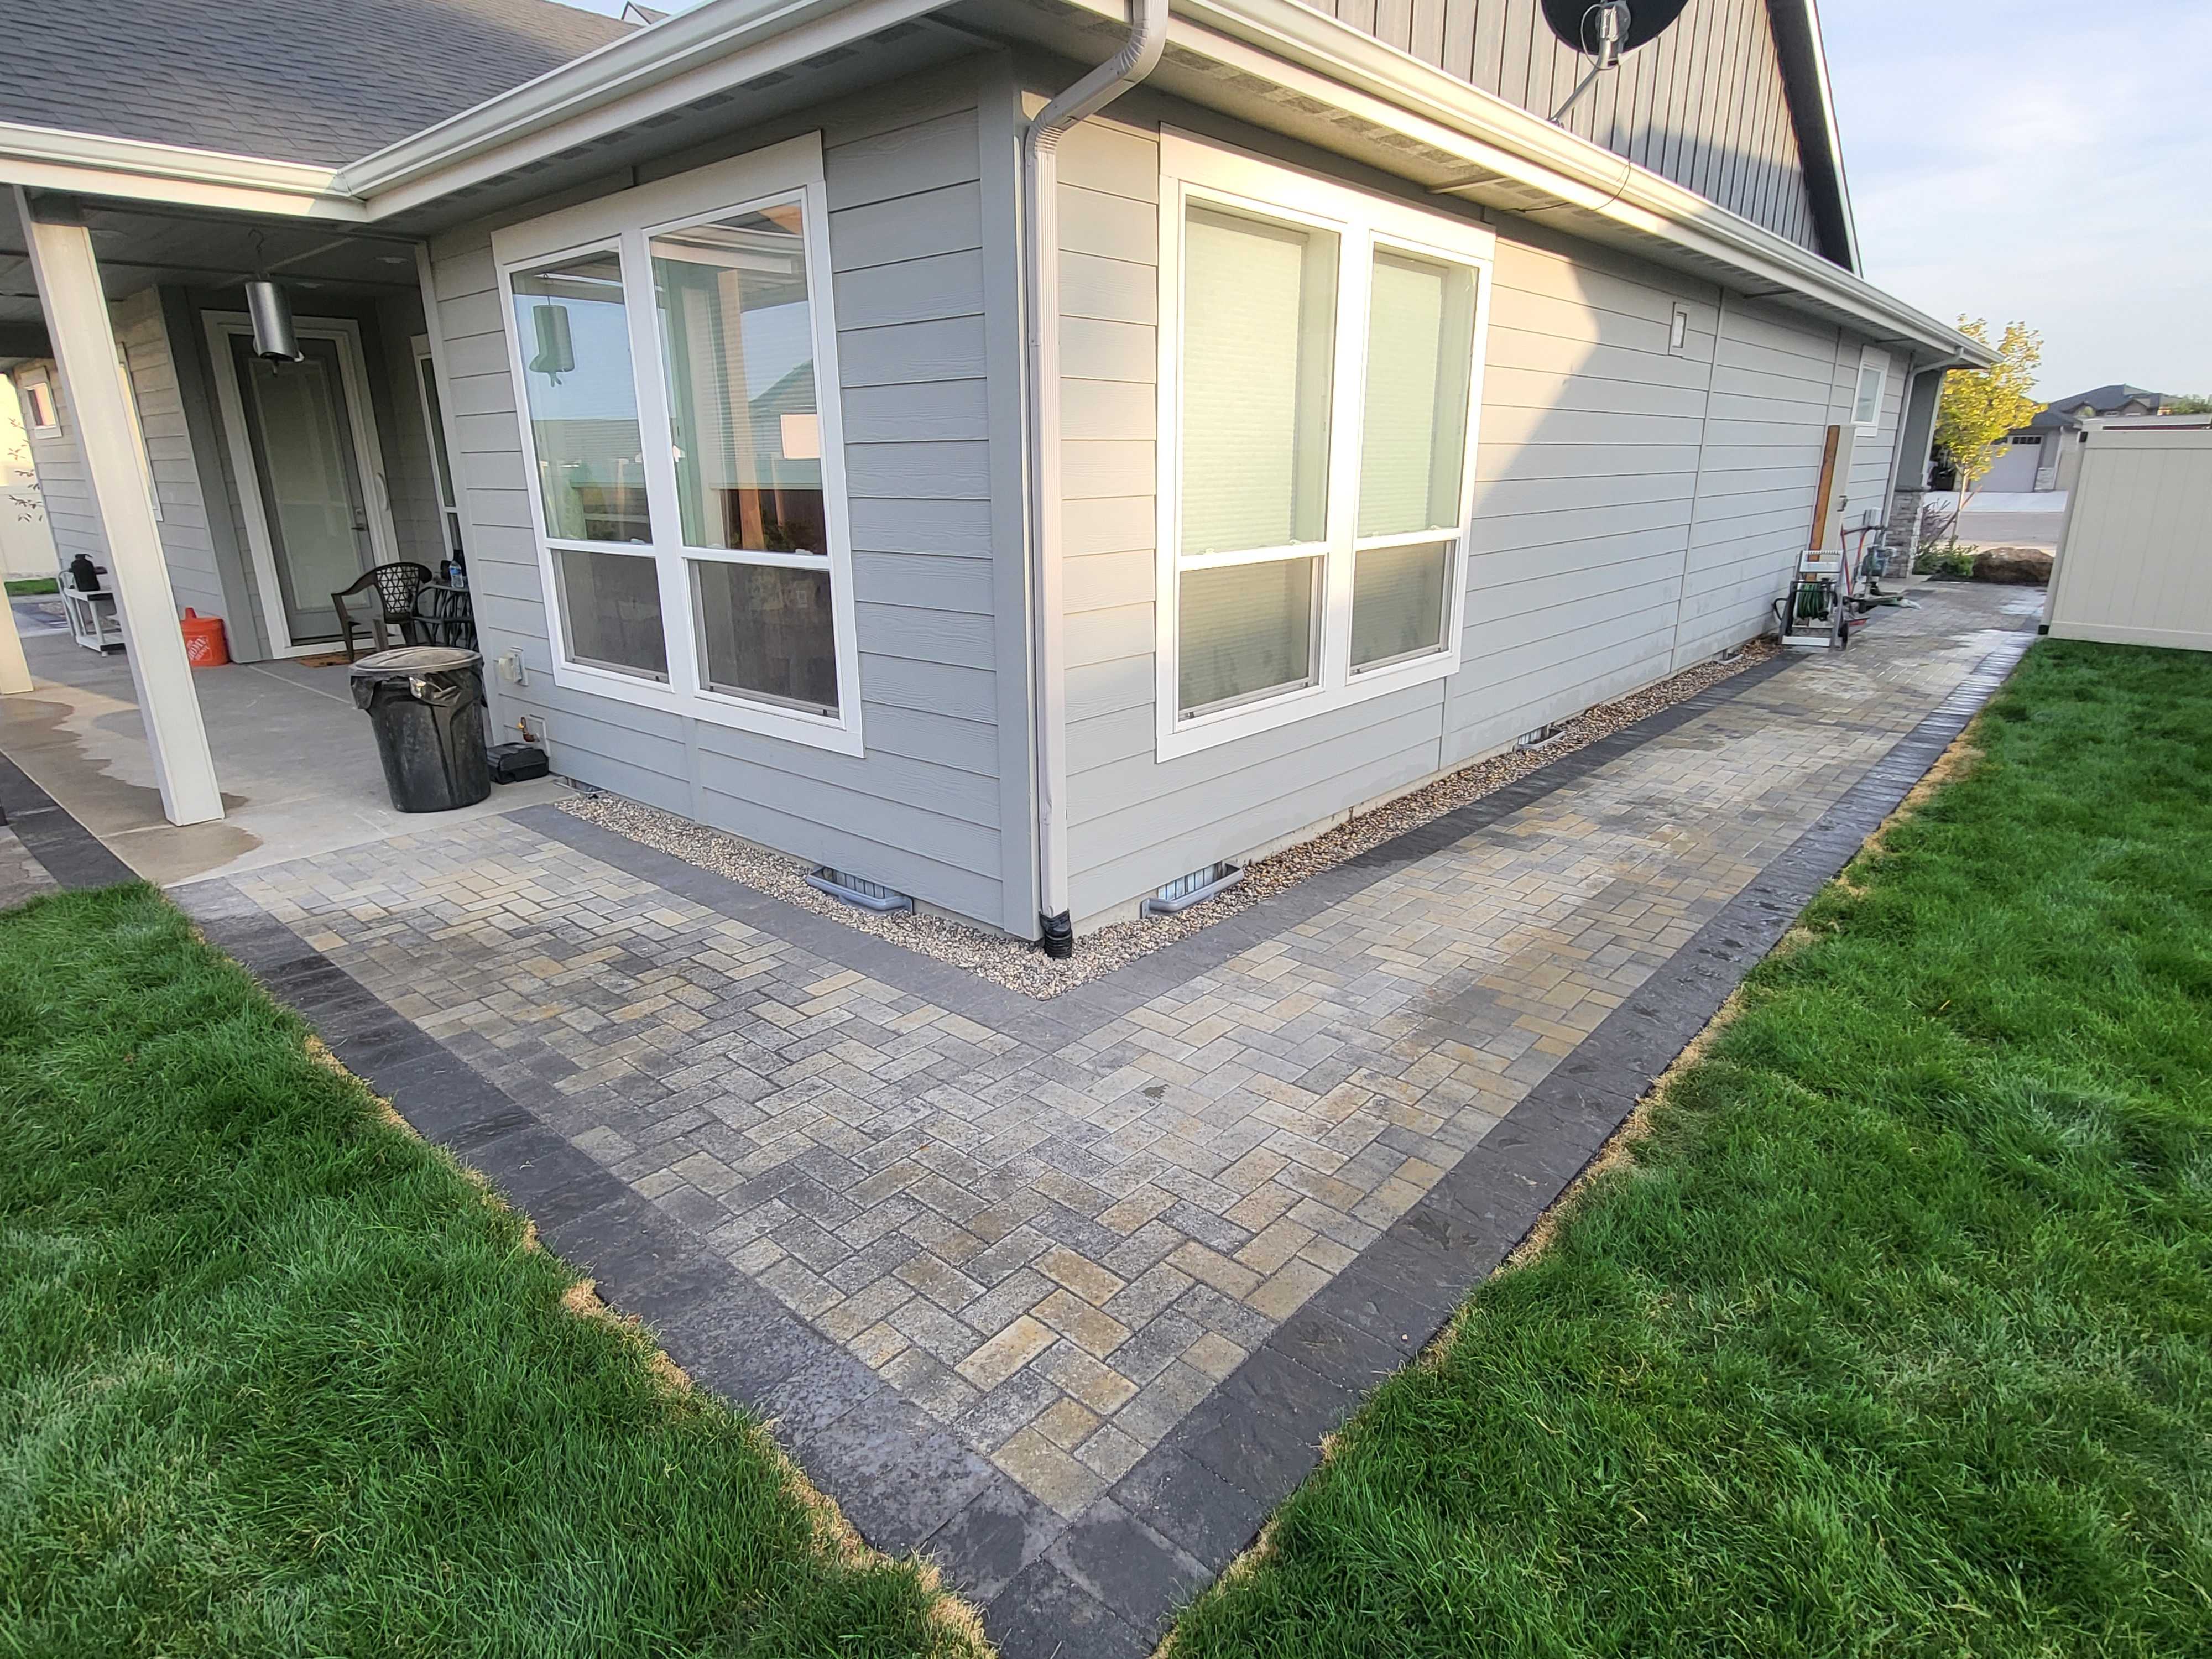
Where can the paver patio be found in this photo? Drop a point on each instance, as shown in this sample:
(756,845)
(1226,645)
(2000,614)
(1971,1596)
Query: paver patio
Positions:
(1065,1293)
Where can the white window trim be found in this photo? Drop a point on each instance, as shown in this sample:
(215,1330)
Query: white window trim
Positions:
(39,381)
(1192,167)
(1873,356)
(627,221)
(444,486)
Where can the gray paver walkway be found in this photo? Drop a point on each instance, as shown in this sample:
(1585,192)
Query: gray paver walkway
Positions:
(1057,1254)
(1057,1239)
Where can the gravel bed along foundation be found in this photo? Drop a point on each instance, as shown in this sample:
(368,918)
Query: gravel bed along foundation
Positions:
(1020,966)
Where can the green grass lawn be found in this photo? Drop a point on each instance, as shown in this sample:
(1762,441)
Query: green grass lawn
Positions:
(275,1378)
(28,584)
(1895,1337)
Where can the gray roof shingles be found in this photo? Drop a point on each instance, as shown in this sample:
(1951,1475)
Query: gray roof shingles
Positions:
(2059,411)
(325,82)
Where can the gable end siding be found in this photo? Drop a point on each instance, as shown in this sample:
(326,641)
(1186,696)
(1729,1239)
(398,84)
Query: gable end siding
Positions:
(1705,105)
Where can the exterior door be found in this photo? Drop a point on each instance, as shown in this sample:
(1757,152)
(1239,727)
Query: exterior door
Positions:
(299,427)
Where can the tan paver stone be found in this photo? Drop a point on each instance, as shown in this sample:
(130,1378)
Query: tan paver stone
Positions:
(1066,1424)
(1096,1384)
(1285,1290)
(1132,1212)
(1276,1244)
(1048,1472)
(1006,1353)
(1096,1333)
(1079,1274)
(1210,1268)
(1214,1355)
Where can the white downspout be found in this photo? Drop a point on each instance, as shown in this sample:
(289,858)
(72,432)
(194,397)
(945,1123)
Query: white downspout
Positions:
(1148,34)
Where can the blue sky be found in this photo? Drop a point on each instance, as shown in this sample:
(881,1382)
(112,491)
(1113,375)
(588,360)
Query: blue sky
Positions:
(2042,161)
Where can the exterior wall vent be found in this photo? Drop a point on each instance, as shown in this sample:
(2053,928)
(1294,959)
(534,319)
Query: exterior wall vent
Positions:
(1542,738)
(858,890)
(1195,888)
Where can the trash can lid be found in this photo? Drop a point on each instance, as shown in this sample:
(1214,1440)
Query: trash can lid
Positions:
(413,661)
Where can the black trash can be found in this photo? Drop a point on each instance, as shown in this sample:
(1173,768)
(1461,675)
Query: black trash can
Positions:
(426,702)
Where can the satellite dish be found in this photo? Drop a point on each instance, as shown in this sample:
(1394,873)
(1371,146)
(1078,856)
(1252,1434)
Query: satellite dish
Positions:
(1575,22)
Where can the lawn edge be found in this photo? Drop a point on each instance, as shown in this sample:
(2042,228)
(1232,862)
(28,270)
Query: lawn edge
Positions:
(1618,1152)
(836,1540)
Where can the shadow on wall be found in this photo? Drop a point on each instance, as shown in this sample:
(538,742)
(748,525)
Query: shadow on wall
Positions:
(280,78)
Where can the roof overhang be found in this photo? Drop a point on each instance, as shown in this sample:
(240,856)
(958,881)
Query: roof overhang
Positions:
(1813,116)
(1280,64)
(1275,62)
(93,164)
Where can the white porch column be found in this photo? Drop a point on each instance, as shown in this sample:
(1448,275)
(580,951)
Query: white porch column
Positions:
(84,346)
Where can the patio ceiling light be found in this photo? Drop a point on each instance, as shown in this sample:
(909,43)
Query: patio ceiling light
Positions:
(271,308)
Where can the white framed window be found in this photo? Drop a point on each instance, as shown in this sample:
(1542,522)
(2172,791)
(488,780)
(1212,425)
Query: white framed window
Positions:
(674,352)
(1320,369)
(1866,398)
(38,408)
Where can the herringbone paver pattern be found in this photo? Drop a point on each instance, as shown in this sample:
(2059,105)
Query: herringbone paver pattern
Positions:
(1058,1254)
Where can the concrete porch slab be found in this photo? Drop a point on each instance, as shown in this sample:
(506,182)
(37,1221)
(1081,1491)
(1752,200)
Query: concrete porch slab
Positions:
(295,759)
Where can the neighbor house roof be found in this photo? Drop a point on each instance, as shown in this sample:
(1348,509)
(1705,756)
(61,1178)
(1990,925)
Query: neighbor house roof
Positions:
(2102,399)
(319,82)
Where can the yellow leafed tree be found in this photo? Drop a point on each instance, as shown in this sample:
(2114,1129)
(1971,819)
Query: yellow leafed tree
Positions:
(1981,406)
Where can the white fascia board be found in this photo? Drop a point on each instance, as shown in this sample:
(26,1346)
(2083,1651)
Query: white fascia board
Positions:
(1304,51)
(93,164)
(685,56)
(1278,40)
(1828,127)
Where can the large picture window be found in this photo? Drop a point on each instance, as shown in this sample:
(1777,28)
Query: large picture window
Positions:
(1320,375)
(676,356)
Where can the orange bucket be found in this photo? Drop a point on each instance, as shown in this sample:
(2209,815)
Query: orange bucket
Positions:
(204,642)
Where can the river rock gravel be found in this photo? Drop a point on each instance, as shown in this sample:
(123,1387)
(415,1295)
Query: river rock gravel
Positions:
(1019,964)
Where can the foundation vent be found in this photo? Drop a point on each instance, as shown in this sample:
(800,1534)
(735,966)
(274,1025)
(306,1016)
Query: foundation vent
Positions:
(1197,887)
(858,890)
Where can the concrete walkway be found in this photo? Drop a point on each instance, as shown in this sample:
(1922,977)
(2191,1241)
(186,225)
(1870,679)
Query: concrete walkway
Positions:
(1066,1293)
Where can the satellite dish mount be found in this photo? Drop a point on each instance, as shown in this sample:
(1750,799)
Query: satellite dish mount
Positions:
(1603,30)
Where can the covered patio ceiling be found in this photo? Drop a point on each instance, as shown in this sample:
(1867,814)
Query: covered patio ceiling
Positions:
(141,246)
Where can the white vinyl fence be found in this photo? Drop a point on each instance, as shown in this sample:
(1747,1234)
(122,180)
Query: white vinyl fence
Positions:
(2135,563)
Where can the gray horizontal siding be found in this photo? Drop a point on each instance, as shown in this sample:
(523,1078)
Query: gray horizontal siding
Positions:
(923,811)
(1704,105)
(1603,554)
